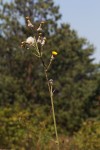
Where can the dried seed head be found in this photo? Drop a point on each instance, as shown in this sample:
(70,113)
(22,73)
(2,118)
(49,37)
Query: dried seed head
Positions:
(40,34)
(42,22)
(39,29)
(51,82)
(43,41)
(39,40)
(29,24)
(27,18)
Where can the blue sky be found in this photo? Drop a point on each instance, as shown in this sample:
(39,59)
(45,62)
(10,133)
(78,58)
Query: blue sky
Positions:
(84,17)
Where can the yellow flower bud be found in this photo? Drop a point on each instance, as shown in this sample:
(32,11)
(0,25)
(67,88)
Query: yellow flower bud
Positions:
(54,53)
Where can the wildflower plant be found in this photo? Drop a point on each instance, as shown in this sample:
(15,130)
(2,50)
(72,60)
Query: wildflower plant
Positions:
(37,44)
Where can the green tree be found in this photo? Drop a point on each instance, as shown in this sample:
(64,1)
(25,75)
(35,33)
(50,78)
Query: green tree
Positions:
(93,102)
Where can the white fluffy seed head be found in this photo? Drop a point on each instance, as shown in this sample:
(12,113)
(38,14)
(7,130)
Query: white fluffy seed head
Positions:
(30,40)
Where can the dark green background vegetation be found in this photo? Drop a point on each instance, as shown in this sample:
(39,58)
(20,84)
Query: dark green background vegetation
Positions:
(25,111)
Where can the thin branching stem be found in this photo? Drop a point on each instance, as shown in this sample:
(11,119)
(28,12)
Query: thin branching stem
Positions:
(49,64)
(38,53)
(45,71)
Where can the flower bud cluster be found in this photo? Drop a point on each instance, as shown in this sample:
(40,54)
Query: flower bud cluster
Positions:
(37,42)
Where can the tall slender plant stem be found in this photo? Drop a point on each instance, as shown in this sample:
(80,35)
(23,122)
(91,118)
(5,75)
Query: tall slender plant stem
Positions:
(54,118)
(50,88)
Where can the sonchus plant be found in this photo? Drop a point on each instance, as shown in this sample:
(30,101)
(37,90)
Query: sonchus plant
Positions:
(37,43)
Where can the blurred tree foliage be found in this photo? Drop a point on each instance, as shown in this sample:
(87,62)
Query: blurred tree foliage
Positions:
(24,129)
(88,136)
(24,99)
